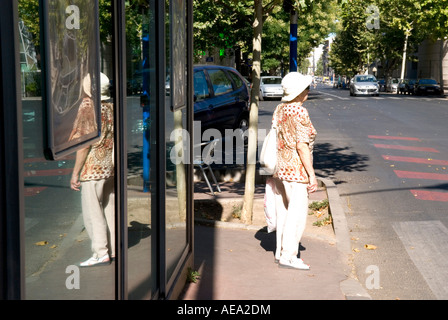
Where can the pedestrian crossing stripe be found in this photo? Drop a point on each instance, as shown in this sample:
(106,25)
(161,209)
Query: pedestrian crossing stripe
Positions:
(426,195)
(425,243)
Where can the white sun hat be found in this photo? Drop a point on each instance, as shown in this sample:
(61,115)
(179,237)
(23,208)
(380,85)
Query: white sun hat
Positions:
(293,84)
(87,86)
(105,84)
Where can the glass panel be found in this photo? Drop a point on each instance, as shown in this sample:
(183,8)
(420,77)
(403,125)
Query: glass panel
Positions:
(141,160)
(176,139)
(236,79)
(60,222)
(221,84)
(201,90)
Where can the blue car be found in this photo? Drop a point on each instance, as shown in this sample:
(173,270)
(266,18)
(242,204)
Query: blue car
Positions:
(221,98)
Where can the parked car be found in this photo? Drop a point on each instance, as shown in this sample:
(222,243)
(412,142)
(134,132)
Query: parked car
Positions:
(406,86)
(221,98)
(271,87)
(392,85)
(427,86)
(364,85)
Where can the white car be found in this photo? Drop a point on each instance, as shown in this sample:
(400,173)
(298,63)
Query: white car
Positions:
(392,85)
(364,85)
(271,87)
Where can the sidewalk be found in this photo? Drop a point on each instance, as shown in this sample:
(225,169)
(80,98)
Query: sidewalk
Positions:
(236,261)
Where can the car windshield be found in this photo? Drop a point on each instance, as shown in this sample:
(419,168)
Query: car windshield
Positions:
(272,80)
(365,79)
(427,81)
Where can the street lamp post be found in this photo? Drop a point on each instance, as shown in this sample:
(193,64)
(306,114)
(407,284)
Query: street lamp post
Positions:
(293,42)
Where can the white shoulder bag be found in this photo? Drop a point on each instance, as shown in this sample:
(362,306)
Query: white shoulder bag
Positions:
(268,156)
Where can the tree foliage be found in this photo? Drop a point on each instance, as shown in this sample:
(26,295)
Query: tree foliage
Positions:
(225,24)
(356,44)
(315,22)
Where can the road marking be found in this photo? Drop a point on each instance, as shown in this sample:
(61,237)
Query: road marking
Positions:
(394,138)
(430,195)
(32,191)
(52,172)
(388,146)
(425,243)
(32,160)
(30,222)
(421,175)
(417,160)
(332,95)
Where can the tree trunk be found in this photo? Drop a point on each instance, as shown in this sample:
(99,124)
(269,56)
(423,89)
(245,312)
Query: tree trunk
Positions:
(247,212)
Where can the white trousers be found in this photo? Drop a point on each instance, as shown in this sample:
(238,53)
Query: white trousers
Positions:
(291,203)
(98,210)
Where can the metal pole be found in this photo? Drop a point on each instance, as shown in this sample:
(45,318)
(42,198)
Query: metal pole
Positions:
(293,42)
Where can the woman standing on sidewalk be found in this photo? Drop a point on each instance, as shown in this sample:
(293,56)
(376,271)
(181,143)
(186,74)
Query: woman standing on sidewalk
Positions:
(294,175)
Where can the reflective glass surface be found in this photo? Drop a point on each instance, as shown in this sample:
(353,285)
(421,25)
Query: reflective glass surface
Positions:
(62,198)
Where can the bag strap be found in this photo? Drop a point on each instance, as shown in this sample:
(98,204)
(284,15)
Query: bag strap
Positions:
(275,125)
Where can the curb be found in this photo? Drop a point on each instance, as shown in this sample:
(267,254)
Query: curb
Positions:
(350,287)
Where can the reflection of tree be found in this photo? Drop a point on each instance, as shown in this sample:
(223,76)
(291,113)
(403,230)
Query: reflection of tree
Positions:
(181,175)
(72,52)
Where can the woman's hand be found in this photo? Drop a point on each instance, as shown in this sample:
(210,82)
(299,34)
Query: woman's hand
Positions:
(312,185)
(75,183)
(305,156)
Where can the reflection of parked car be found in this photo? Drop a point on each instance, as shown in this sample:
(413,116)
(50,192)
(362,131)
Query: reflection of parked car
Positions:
(221,98)
(364,85)
(406,86)
(382,85)
(392,85)
(427,86)
(271,87)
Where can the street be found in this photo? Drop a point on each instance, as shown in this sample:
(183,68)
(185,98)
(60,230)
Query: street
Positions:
(388,157)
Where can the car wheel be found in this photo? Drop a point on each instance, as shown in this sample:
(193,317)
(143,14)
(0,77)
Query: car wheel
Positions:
(261,96)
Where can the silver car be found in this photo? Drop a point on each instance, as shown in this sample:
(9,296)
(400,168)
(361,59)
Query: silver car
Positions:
(271,87)
(392,85)
(364,85)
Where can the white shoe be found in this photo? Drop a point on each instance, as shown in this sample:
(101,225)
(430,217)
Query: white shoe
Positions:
(293,263)
(105,260)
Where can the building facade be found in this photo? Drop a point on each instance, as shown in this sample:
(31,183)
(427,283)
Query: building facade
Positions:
(433,61)
(145,49)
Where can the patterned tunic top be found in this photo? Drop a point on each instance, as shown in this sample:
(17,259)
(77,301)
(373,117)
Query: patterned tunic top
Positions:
(99,161)
(293,126)
(85,122)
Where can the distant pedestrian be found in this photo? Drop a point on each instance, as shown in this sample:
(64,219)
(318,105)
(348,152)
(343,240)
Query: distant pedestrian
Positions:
(294,175)
(93,174)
